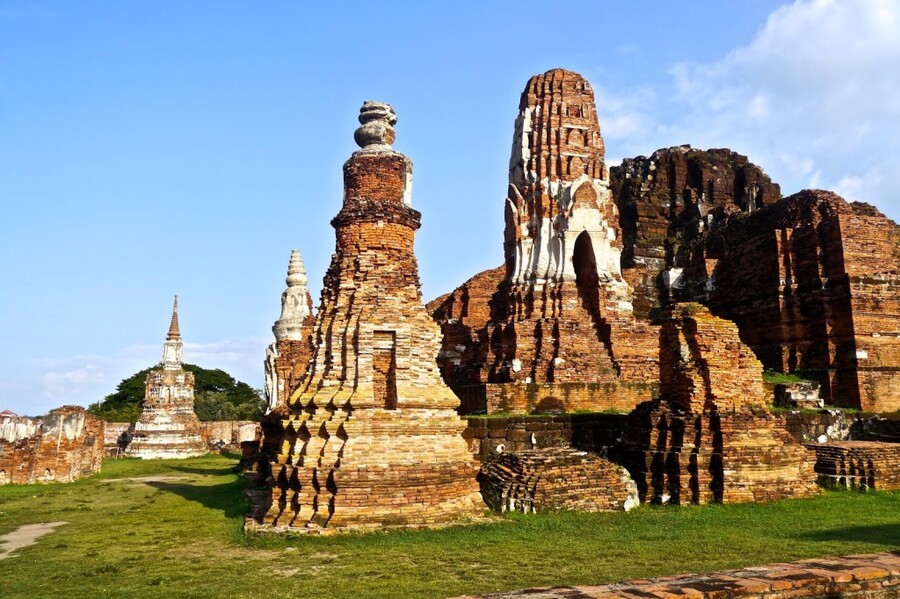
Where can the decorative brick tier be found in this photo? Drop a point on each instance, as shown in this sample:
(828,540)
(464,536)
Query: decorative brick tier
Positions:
(371,435)
(556,478)
(858,464)
(710,437)
(715,457)
(65,445)
(873,576)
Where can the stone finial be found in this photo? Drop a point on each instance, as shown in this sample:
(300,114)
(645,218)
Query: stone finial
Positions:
(174,333)
(377,126)
(294,303)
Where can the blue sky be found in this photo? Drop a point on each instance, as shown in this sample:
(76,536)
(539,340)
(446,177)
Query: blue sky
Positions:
(148,149)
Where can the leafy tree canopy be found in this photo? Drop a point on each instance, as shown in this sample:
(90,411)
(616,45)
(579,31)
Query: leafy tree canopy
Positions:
(217,396)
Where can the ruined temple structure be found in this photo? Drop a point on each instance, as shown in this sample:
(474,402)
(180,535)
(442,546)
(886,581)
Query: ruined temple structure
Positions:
(288,357)
(554,329)
(670,199)
(812,281)
(372,438)
(64,445)
(813,284)
(168,428)
(709,437)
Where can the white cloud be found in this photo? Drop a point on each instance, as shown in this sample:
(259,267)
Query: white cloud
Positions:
(814,98)
(71,382)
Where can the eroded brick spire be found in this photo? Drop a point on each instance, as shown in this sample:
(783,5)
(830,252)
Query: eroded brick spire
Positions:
(174,332)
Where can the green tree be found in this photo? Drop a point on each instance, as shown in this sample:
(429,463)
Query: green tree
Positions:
(217,396)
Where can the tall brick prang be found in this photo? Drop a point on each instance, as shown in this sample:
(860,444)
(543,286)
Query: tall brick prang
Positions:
(372,438)
(561,333)
(168,428)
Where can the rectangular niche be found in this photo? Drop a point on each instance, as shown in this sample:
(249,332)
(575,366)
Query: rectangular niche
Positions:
(384,369)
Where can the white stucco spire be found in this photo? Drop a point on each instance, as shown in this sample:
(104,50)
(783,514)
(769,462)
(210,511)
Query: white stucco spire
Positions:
(173,347)
(294,302)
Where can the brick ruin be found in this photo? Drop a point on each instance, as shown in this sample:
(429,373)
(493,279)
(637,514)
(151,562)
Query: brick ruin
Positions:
(63,446)
(554,329)
(168,428)
(811,280)
(660,287)
(859,465)
(709,437)
(556,478)
(667,201)
(813,284)
(372,438)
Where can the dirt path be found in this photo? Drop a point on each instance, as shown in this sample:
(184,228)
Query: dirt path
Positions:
(25,535)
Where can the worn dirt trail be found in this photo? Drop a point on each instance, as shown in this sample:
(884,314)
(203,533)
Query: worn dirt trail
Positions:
(25,535)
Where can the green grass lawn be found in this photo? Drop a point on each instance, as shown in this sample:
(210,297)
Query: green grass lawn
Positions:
(179,534)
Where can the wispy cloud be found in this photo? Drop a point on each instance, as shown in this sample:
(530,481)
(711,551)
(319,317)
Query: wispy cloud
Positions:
(814,99)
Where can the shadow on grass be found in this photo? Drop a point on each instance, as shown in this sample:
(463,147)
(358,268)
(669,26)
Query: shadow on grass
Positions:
(210,471)
(227,497)
(888,534)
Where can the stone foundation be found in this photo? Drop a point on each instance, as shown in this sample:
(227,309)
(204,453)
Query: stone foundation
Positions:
(554,479)
(860,465)
(520,398)
(65,445)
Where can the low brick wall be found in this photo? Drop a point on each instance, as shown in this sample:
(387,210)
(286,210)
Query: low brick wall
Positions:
(526,398)
(858,464)
(63,446)
(217,434)
(873,575)
(837,425)
(599,433)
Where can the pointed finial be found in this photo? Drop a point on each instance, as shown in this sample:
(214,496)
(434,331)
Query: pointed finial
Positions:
(377,126)
(294,302)
(296,273)
(174,332)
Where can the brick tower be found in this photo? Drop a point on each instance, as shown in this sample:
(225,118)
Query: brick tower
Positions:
(567,329)
(373,439)
(168,427)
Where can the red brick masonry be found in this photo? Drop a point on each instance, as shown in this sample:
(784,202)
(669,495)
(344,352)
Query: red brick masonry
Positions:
(873,575)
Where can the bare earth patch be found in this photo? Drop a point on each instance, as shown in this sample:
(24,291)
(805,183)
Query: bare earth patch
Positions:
(145,479)
(25,535)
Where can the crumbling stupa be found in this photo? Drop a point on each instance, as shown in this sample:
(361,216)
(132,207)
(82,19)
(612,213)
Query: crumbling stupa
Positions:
(372,439)
(168,428)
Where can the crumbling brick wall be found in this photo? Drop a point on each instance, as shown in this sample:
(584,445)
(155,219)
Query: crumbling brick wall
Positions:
(710,438)
(63,446)
(813,283)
